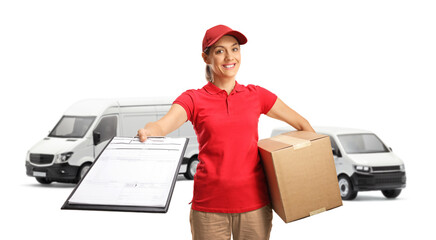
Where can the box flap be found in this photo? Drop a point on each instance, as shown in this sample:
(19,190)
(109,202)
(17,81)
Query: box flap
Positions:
(271,145)
(296,143)
(296,139)
(311,136)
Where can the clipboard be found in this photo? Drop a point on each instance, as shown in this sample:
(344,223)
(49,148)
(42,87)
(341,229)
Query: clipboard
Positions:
(92,193)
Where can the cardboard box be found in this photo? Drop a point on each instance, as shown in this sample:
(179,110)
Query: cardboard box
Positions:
(301,174)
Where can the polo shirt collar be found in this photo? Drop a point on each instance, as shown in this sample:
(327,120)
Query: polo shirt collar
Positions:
(212,89)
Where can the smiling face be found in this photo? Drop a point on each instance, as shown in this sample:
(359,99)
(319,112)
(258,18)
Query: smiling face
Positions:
(224,58)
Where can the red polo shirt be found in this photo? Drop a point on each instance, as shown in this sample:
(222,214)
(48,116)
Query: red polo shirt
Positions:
(230,176)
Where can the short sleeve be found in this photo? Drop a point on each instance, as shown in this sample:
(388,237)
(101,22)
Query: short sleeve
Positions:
(186,100)
(267,99)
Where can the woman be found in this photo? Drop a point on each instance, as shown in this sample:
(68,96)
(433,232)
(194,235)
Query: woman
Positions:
(230,191)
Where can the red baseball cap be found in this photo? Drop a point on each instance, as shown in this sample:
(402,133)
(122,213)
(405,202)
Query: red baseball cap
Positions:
(215,33)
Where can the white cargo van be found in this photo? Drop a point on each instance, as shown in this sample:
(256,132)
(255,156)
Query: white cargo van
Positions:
(363,162)
(86,128)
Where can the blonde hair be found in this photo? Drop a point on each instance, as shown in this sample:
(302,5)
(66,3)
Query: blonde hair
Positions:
(209,75)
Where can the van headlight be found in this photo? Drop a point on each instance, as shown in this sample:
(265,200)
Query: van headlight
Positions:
(61,158)
(402,167)
(361,168)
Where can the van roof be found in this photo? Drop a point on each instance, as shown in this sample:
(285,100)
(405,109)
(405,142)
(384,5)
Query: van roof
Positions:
(339,130)
(329,130)
(96,107)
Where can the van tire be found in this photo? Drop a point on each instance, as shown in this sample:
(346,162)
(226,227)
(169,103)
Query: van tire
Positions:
(43,180)
(392,193)
(346,188)
(192,168)
(82,171)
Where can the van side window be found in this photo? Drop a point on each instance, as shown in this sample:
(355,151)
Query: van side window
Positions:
(107,128)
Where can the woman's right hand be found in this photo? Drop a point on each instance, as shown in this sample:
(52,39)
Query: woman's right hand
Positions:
(143,133)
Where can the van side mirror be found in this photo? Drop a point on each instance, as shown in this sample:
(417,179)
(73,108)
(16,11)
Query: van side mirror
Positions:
(96,136)
(336,152)
(390,149)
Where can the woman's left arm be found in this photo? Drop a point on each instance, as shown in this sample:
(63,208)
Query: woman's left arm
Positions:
(282,112)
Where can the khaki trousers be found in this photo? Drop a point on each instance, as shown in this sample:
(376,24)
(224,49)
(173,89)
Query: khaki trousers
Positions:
(253,225)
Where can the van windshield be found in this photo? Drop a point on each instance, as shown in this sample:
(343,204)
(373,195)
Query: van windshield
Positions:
(72,127)
(362,143)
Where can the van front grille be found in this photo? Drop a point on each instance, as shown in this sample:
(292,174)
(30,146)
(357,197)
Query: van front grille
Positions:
(41,158)
(379,180)
(386,168)
(393,178)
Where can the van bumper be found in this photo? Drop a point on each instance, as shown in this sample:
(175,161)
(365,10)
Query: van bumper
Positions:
(378,181)
(62,172)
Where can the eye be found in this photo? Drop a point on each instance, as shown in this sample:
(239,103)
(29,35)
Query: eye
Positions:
(235,49)
(219,51)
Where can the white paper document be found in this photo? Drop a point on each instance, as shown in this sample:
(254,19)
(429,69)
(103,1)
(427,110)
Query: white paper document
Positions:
(132,173)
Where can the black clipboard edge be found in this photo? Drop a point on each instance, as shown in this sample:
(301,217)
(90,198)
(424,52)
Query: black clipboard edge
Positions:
(114,208)
(176,174)
(122,208)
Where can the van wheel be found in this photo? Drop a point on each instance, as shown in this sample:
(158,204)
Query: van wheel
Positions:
(82,171)
(43,180)
(192,168)
(392,193)
(346,188)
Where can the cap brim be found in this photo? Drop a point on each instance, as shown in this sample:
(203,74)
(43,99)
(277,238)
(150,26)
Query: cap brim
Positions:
(239,36)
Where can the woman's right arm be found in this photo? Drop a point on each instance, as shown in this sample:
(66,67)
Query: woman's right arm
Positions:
(174,118)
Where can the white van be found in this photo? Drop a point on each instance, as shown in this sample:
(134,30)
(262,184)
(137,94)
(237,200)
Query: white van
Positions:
(86,128)
(363,162)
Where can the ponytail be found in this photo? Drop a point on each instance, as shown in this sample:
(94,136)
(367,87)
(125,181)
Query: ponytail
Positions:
(209,75)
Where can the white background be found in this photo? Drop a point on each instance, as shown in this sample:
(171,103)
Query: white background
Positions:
(363,64)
